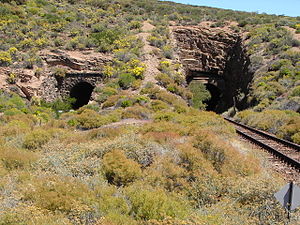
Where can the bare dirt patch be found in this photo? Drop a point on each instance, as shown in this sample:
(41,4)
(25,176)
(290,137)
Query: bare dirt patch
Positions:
(127,122)
(150,59)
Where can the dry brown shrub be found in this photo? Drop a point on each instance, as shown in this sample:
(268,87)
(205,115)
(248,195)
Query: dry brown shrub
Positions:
(119,170)
(136,112)
(109,133)
(170,176)
(55,193)
(225,159)
(13,158)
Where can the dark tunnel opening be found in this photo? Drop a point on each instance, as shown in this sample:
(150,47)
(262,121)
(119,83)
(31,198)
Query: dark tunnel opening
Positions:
(82,92)
(213,102)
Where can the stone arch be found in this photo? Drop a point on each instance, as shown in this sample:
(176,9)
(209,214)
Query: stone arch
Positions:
(60,87)
(70,80)
(217,57)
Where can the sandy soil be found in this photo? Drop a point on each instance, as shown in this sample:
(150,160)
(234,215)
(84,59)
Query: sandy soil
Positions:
(126,122)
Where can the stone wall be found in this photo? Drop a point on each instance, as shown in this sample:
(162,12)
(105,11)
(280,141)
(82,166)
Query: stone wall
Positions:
(53,88)
(80,66)
(220,55)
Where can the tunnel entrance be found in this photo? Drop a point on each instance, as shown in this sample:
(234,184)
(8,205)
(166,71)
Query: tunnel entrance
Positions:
(215,99)
(82,92)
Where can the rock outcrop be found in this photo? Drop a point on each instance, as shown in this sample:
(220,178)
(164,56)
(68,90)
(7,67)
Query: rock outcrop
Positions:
(216,55)
(202,49)
(74,61)
(79,66)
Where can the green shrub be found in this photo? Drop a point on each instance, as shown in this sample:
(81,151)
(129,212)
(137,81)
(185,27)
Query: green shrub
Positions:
(126,80)
(225,159)
(89,119)
(158,105)
(18,124)
(164,116)
(296,91)
(60,72)
(155,204)
(13,112)
(126,103)
(284,124)
(12,78)
(151,90)
(157,41)
(111,101)
(10,101)
(296,138)
(168,51)
(200,94)
(105,93)
(119,170)
(135,25)
(164,79)
(59,105)
(104,38)
(142,100)
(36,139)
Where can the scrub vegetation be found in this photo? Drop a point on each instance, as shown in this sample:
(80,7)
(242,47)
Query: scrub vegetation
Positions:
(179,168)
(143,152)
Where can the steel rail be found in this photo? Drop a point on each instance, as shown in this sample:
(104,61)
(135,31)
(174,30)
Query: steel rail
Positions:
(292,162)
(269,136)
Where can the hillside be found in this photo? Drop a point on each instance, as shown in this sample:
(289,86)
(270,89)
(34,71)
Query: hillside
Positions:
(109,112)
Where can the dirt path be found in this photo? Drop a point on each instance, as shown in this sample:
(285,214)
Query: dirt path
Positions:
(150,59)
(126,122)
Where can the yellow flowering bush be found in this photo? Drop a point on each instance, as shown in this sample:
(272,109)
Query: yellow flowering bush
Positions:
(136,68)
(108,71)
(5,58)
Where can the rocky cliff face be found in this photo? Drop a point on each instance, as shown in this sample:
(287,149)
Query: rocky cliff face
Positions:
(216,56)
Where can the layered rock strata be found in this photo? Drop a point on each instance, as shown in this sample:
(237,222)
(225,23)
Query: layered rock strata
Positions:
(216,56)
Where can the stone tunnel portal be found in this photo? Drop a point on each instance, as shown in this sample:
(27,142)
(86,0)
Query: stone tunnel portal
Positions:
(217,57)
(82,92)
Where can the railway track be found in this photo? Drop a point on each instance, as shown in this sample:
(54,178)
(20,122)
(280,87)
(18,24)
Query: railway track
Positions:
(284,150)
